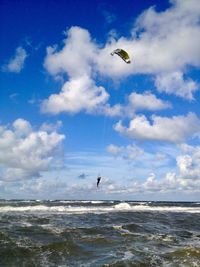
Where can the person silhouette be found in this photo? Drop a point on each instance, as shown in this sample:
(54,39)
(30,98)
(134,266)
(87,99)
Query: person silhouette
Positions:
(98,180)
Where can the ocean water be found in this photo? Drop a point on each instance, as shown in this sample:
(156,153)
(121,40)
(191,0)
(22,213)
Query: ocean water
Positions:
(99,233)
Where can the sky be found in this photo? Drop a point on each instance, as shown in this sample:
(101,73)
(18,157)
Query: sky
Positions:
(69,111)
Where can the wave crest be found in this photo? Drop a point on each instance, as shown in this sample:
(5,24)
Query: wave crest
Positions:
(122,206)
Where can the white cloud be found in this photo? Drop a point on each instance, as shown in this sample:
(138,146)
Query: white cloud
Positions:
(184,163)
(25,153)
(188,162)
(175,129)
(49,127)
(174,182)
(151,183)
(75,58)
(146,101)
(138,162)
(22,127)
(113,149)
(42,186)
(129,152)
(80,94)
(121,182)
(185,179)
(170,183)
(112,111)
(16,63)
(174,83)
(136,102)
(162,43)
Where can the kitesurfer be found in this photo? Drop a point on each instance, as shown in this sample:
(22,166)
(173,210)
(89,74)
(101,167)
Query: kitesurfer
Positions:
(98,180)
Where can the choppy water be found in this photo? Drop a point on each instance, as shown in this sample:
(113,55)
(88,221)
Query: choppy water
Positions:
(99,233)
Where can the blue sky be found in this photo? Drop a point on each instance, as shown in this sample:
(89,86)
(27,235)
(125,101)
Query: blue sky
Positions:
(70,111)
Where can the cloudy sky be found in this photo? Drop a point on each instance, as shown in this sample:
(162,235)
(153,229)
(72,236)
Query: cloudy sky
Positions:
(70,111)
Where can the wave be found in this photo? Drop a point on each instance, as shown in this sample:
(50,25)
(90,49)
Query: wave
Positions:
(84,201)
(121,207)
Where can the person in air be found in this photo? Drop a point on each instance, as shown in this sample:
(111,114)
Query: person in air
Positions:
(98,180)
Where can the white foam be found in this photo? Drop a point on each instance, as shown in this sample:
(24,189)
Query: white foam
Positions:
(26,224)
(161,237)
(122,230)
(97,201)
(166,209)
(121,207)
(83,201)
(52,228)
(117,227)
(128,255)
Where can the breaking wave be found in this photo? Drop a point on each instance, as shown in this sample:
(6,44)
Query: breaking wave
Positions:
(120,207)
(99,233)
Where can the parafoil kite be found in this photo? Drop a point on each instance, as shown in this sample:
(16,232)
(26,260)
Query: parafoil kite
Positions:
(123,54)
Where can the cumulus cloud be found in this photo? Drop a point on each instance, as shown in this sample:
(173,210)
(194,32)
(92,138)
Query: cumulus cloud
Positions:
(22,127)
(189,162)
(146,101)
(136,102)
(129,152)
(170,183)
(175,129)
(50,127)
(173,182)
(174,83)
(153,183)
(183,179)
(25,153)
(77,95)
(161,43)
(75,58)
(113,149)
(16,63)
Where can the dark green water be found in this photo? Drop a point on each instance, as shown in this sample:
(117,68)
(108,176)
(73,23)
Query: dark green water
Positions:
(99,233)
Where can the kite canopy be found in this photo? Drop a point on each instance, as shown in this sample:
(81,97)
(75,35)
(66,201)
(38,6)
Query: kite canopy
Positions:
(123,54)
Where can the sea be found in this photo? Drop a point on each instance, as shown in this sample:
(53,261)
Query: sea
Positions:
(36,233)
